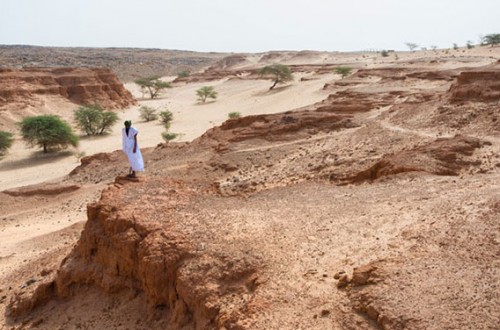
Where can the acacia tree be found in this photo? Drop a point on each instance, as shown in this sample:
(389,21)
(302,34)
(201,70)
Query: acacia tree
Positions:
(153,85)
(93,120)
(47,131)
(411,45)
(206,92)
(491,39)
(6,140)
(279,73)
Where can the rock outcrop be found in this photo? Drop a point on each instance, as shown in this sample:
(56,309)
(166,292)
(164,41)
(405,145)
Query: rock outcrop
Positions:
(134,244)
(481,85)
(277,127)
(446,156)
(78,85)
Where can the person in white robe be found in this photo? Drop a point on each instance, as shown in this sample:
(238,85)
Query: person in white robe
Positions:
(131,148)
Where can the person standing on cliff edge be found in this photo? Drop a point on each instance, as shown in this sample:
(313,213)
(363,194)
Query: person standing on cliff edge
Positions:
(131,148)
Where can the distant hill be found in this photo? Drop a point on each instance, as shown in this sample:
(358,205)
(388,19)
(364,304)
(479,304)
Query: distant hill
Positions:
(127,63)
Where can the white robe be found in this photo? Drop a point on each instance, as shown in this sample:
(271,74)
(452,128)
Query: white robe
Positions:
(135,159)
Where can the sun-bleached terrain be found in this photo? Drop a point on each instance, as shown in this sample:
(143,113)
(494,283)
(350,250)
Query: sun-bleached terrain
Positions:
(368,202)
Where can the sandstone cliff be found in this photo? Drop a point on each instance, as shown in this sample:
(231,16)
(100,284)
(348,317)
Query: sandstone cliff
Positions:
(78,85)
(477,85)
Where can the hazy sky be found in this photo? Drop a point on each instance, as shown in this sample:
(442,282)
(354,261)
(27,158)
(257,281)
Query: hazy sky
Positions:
(247,25)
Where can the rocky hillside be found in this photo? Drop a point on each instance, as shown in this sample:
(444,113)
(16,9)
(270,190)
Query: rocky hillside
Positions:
(127,63)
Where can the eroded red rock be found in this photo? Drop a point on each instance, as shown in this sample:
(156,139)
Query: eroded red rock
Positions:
(445,156)
(79,85)
(477,85)
(133,241)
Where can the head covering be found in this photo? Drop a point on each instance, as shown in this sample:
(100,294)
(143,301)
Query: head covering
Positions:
(127,123)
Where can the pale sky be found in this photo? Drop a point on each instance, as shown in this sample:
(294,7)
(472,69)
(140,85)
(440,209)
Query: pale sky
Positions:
(247,25)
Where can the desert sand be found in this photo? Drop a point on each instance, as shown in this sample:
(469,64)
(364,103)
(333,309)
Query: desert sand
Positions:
(291,207)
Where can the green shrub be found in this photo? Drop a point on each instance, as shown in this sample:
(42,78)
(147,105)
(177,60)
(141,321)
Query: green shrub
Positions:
(183,74)
(343,71)
(168,136)
(47,131)
(206,92)
(233,115)
(166,118)
(148,113)
(93,120)
(6,141)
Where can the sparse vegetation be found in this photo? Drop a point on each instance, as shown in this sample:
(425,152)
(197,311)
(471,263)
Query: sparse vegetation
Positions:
(183,74)
(491,39)
(343,71)
(234,115)
(469,44)
(206,92)
(412,46)
(79,155)
(168,136)
(384,53)
(6,140)
(166,118)
(279,73)
(455,46)
(93,120)
(47,131)
(152,85)
(148,113)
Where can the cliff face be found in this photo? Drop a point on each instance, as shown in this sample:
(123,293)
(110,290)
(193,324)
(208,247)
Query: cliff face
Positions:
(481,85)
(138,246)
(79,85)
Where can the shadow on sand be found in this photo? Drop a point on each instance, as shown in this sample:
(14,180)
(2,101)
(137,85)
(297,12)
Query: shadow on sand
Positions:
(36,158)
(275,90)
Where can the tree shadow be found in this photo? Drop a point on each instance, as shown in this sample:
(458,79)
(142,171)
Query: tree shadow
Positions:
(36,158)
(273,91)
(205,103)
(145,99)
(94,137)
